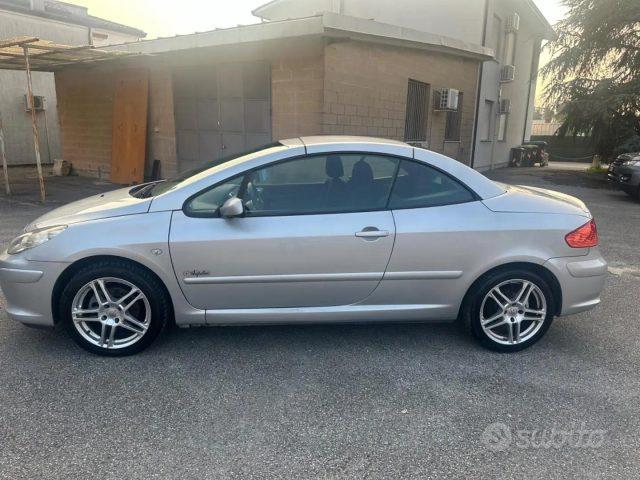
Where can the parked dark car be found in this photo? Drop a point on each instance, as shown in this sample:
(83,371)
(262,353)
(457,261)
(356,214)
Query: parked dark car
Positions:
(625,172)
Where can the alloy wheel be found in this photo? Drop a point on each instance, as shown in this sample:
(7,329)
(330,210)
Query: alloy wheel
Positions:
(111,313)
(513,311)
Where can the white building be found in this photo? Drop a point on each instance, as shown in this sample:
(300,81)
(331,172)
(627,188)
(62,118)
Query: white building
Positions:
(58,22)
(514,29)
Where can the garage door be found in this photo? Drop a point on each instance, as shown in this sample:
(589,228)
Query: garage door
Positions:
(221,111)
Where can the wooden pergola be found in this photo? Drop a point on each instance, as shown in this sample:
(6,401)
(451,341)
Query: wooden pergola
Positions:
(32,54)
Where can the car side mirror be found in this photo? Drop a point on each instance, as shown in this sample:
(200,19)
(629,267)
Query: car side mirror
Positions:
(232,208)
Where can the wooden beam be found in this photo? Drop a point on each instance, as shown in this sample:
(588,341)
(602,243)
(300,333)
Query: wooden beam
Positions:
(34,125)
(45,54)
(13,43)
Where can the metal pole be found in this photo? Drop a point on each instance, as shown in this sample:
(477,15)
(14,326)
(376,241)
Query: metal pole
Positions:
(34,125)
(4,161)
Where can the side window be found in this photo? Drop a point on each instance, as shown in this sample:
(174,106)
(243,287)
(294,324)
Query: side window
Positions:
(331,183)
(419,186)
(208,202)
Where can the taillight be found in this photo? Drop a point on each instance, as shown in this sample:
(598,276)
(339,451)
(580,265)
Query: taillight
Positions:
(584,236)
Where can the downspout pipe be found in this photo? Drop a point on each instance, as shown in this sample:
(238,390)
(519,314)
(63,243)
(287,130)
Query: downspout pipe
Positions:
(484,44)
(535,58)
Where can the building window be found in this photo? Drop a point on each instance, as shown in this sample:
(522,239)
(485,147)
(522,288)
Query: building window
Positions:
(485,134)
(452,126)
(502,126)
(415,127)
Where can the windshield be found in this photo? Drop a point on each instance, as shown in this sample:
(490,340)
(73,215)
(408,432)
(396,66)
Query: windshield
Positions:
(157,188)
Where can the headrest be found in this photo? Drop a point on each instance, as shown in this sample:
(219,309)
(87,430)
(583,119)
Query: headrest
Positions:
(362,172)
(333,166)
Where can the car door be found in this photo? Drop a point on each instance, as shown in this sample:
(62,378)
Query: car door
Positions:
(315,232)
(442,233)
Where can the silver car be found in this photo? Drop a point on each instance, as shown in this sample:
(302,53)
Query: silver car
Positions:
(314,229)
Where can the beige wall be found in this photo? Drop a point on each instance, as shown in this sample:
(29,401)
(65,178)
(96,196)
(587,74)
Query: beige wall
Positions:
(85,109)
(161,131)
(85,106)
(366,92)
(297,92)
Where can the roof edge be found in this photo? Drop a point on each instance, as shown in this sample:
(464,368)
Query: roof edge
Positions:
(549,32)
(89,21)
(327,24)
(256,12)
(404,35)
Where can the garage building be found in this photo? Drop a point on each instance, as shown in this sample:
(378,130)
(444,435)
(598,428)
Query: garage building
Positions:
(191,99)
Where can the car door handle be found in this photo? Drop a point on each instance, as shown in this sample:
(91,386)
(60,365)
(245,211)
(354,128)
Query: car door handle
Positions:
(372,232)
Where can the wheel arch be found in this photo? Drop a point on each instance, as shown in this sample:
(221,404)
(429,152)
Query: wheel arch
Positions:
(544,272)
(74,267)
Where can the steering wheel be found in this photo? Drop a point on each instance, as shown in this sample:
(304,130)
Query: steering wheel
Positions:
(255,200)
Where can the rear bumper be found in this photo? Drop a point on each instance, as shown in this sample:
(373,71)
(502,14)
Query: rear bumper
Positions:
(27,286)
(581,280)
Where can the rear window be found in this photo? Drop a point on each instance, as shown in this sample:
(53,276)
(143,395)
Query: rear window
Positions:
(420,186)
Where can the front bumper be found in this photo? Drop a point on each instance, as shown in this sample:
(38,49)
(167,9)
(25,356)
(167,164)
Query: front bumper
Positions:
(581,280)
(627,178)
(27,286)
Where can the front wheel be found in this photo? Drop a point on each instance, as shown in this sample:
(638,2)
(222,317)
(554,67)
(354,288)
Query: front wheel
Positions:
(113,308)
(510,311)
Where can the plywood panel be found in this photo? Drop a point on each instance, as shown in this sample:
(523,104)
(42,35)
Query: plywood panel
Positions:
(129,141)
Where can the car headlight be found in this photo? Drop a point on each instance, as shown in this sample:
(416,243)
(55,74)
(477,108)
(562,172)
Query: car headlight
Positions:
(34,238)
(632,163)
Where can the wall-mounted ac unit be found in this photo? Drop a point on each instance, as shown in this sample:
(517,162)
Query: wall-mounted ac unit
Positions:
(505,105)
(446,99)
(513,23)
(38,103)
(507,73)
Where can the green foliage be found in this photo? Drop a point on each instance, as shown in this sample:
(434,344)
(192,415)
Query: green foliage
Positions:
(631,145)
(595,72)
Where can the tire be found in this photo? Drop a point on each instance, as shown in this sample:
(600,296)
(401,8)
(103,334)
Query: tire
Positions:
(511,317)
(134,328)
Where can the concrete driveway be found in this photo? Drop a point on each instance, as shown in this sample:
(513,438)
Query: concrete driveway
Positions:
(383,401)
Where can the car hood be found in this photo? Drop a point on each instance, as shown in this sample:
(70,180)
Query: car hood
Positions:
(522,199)
(109,204)
(629,156)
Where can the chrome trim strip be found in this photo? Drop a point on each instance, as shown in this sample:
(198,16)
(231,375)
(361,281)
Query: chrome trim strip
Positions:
(298,277)
(345,313)
(429,275)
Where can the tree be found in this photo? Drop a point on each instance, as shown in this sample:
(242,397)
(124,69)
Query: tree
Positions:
(595,71)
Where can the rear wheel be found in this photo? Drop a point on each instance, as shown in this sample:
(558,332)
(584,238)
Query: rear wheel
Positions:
(510,311)
(113,308)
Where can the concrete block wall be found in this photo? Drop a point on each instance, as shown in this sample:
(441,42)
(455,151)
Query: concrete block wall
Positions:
(366,92)
(85,110)
(161,131)
(297,96)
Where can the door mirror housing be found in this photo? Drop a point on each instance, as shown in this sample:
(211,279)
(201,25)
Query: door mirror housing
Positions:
(232,208)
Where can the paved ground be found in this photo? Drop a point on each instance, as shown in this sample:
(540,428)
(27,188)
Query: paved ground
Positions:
(385,401)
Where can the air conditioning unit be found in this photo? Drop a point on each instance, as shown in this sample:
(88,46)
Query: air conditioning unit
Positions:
(505,105)
(38,103)
(507,73)
(513,23)
(446,99)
